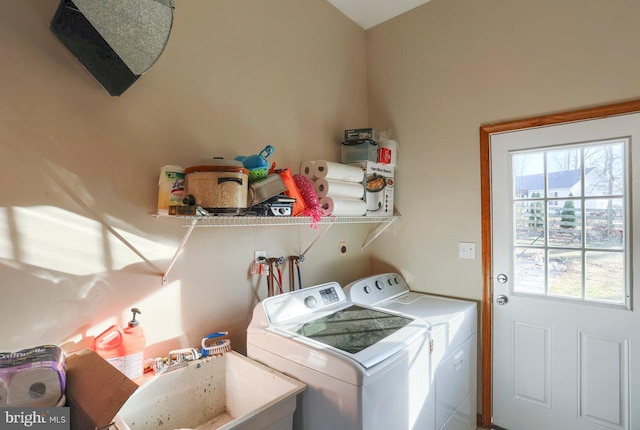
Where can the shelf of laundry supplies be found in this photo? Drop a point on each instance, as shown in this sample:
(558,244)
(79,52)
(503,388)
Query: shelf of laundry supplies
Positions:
(192,222)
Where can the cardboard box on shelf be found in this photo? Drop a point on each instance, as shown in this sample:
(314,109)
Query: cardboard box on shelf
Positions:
(95,390)
(379,184)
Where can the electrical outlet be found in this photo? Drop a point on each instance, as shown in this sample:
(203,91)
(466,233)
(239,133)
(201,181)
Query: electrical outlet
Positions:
(259,256)
(467,250)
(342,248)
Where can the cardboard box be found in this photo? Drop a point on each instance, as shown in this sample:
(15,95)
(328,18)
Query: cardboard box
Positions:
(95,390)
(379,184)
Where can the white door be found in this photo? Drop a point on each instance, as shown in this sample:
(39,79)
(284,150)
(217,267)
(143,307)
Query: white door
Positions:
(566,329)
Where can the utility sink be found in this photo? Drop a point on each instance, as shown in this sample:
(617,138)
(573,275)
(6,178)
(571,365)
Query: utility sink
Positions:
(225,392)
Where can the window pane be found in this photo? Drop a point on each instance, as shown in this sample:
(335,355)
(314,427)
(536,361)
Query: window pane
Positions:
(529,223)
(604,223)
(564,173)
(604,170)
(565,273)
(569,221)
(565,223)
(528,175)
(604,276)
(529,271)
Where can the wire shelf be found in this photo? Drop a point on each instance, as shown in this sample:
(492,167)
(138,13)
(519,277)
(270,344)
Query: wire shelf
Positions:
(259,221)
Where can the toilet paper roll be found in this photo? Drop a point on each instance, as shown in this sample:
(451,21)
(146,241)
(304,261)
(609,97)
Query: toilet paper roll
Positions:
(35,387)
(307,169)
(4,392)
(340,189)
(338,171)
(343,207)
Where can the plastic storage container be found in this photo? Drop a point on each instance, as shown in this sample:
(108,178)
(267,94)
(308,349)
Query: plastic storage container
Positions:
(358,151)
(360,134)
(220,186)
(124,349)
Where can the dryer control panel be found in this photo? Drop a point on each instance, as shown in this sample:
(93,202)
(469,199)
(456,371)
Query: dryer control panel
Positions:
(375,289)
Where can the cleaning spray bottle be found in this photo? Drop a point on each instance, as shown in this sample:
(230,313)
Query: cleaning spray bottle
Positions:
(124,349)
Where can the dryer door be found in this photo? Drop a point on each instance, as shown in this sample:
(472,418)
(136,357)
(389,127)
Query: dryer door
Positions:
(455,379)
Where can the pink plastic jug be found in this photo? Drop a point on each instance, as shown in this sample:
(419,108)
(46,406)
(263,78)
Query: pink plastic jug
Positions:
(124,349)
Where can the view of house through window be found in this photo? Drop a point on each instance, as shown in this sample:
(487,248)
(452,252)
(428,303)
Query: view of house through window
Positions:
(569,222)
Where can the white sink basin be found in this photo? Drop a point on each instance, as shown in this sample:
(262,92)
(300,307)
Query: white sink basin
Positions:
(226,392)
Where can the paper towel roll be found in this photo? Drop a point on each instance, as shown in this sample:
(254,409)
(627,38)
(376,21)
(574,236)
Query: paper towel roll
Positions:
(338,171)
(307,169)
(341,189)
(35,387)
(343,207)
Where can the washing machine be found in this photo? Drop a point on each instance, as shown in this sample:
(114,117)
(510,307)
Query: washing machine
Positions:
(453,325)
(363,367)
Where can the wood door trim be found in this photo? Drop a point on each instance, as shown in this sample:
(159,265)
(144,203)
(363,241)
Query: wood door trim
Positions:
(485,190)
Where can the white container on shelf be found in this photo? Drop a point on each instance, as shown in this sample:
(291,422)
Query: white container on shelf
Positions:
(170,188)
(388,152)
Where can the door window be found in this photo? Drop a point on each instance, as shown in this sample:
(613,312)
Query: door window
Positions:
(570,222)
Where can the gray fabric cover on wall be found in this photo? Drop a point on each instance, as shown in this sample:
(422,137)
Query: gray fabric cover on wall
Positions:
(116,40)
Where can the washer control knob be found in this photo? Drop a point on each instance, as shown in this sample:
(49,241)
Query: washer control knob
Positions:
(367,289)
(379,285)
(390,281)
(396,280)
(310,302)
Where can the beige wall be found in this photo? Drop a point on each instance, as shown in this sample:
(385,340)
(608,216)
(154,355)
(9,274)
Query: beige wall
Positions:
(236,76)
(436,73)
(78,165)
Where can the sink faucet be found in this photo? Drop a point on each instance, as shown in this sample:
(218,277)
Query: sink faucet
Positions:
(182,355)
(176,359)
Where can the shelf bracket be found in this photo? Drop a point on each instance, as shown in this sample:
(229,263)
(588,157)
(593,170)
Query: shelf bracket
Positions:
(333,221)
(165,275)
(375,233)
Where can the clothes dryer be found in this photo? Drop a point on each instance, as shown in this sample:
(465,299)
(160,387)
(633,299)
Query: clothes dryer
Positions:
(453,342)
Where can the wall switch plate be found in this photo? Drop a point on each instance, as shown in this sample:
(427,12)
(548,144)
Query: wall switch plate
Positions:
(467,250)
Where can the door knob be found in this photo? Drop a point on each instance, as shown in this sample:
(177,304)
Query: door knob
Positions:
(502,300)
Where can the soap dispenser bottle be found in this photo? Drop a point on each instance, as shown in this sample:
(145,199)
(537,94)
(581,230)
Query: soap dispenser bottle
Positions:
(124,349)
(135,342)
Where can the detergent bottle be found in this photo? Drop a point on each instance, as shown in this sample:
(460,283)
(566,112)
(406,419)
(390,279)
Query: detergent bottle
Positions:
(124,349)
